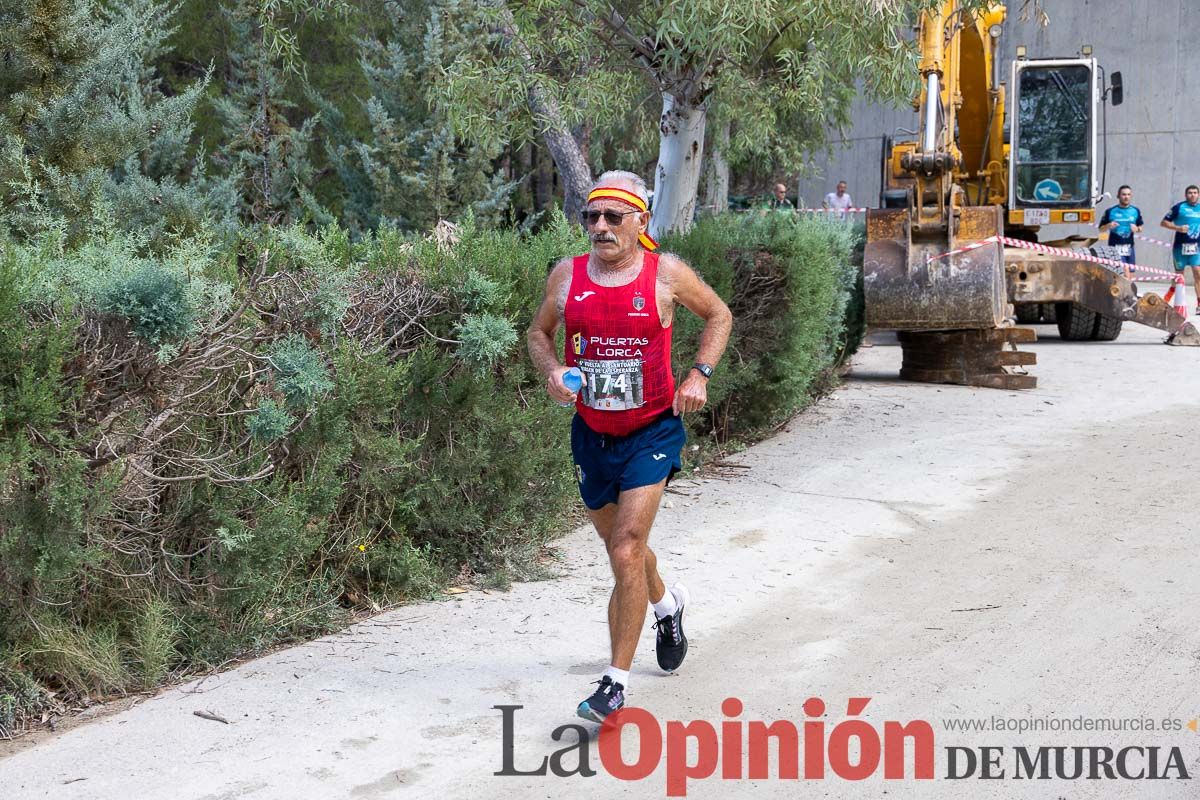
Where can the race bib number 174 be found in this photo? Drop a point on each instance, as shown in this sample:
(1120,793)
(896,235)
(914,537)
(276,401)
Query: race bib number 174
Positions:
(612,385)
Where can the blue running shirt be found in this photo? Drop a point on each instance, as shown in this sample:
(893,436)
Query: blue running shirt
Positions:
(1185,214)
(1125,218)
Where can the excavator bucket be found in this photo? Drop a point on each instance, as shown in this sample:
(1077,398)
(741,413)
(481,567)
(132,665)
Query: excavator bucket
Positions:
(911,284)
(945,293)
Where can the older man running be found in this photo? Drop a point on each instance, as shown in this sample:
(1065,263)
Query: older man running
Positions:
(617,304)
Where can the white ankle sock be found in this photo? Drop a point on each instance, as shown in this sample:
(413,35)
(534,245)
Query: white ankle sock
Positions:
(620,676)
(666,606)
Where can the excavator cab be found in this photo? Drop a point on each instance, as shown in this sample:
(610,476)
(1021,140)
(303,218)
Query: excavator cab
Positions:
(1052,155)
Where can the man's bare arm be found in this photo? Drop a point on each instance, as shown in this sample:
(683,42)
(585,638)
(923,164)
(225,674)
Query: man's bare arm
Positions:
(695,295)
(540,336)
(691,292)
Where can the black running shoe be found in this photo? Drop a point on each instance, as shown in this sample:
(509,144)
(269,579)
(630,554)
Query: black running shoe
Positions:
(671,644)
(608,698)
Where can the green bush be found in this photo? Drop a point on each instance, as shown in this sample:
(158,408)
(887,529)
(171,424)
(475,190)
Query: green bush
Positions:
(299,374)
(486,339)
(21,698)
(154,632)
(269,422)
(154,302)
(335,426)
(478,292)
(789,282)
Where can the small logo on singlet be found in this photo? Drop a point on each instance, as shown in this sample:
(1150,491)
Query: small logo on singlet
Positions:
(579,298)
(639,302)
(578,343)
(659,456)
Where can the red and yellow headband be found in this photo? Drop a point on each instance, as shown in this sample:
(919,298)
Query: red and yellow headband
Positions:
(629,198)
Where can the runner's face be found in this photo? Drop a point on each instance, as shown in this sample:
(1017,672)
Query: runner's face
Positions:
(841,189)
(1193,196)
(1125,196)
(614,242)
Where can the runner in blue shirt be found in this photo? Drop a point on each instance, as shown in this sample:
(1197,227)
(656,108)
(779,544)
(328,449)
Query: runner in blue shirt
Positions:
(1184,219)
(1122,222)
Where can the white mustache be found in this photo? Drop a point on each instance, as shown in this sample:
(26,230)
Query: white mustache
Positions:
(603,237)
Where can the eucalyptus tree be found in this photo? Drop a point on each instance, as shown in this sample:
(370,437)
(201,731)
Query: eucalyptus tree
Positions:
(782,72)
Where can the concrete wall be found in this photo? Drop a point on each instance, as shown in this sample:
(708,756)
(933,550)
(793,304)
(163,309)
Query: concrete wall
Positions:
(1153,138)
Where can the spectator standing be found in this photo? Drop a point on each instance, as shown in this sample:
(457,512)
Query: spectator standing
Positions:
(838,202)
(779,200)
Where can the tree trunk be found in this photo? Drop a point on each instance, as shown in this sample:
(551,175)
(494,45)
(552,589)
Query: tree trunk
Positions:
(526,160)
(716,184)
(583,136)
(677,176)
(543,181)
(568,157)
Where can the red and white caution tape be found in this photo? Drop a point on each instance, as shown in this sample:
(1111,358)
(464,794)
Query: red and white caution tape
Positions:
(1083,255)
(1080,255)
(1158,242)
(964,249)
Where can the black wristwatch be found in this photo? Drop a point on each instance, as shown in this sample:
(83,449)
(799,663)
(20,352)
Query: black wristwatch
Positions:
(704,369)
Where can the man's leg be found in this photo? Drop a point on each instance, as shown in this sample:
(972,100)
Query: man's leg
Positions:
(1196,285)
(625,529)
(605,521)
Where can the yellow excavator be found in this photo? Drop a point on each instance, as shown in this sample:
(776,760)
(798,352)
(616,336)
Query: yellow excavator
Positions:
(985,168)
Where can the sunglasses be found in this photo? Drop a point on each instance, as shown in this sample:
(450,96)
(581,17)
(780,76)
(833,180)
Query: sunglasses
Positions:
(613,218)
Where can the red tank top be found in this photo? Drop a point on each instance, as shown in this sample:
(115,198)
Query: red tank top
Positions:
(615,337)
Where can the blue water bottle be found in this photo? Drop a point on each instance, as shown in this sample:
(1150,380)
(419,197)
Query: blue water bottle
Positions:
(573,380)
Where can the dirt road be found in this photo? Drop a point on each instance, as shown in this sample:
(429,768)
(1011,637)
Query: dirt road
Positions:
(950,553)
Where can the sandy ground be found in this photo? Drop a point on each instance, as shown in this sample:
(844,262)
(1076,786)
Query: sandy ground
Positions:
(946,552)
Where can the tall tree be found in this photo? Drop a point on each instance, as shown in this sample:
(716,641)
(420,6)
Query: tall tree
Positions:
(85,129)
(264,152)
(530,80)
(417,170)
(783,68)
(546,111)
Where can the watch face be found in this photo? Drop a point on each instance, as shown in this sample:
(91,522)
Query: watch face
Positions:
(703,369)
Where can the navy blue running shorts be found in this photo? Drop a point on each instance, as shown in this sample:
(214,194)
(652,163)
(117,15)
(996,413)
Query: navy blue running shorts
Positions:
(607,465)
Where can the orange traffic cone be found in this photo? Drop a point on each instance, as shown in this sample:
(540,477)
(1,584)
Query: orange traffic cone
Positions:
(1177,297)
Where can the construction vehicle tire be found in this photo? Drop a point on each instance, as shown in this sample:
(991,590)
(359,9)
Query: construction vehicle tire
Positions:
(1104,251)
(1029,313)
(1075,323)
(1048,315)
(1107,328)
